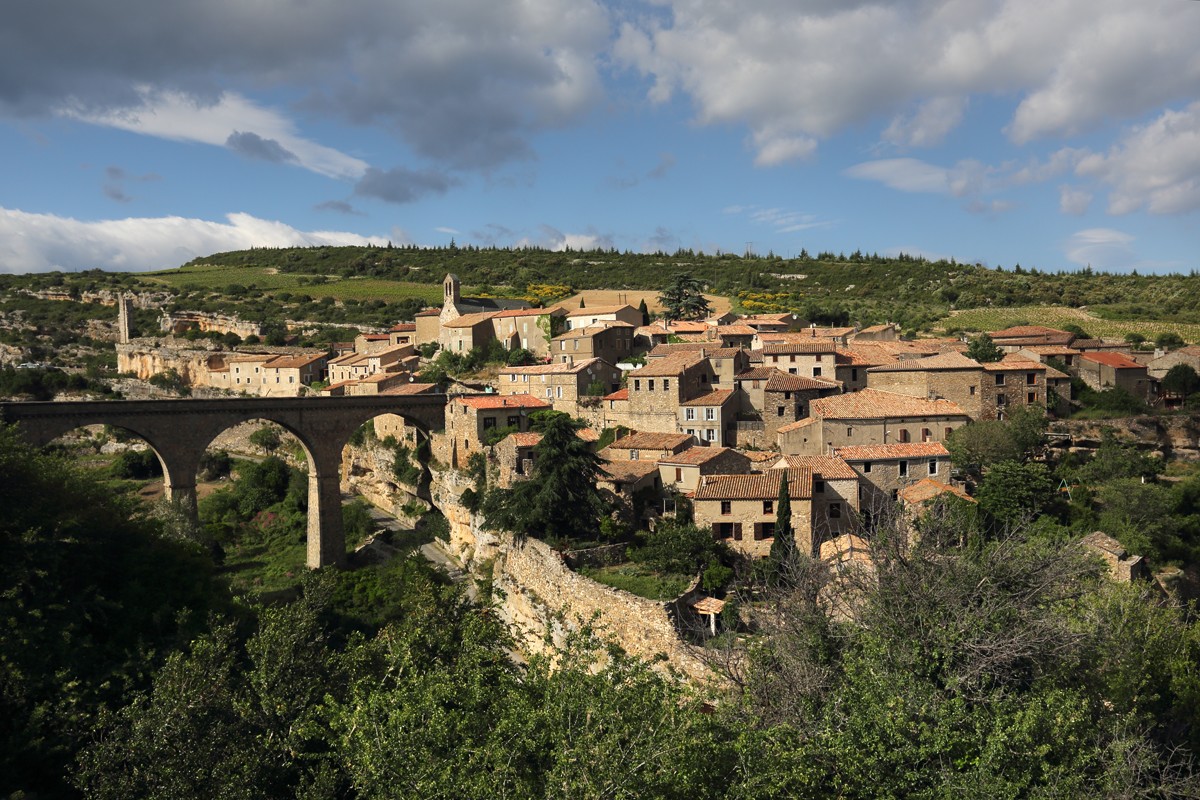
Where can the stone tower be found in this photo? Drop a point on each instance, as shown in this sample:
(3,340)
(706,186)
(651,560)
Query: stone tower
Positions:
(124,318)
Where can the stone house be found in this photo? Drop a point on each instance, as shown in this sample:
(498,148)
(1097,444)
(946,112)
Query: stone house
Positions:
(772,323)
(811,359)
(682,471)
(588,317)
(614,409)
(1161,364)
(562,385)
(710,417)
(611,342)
(402,333)
(1101,370)
(726,362)
(775,398)
(1122,566)
(736,335)
(887,332)
(466,332)
(266,375)
(646,446)
(949,376)
(870,417)
(741,509)
(1044,353)
(1010,383)
(885,470)
(395,425)
(527,328)
(835,494)
(428,324)
(1010,340)
(839,336)
(470,419)
(514,455)
(363,364)
(647,337)
(658,389)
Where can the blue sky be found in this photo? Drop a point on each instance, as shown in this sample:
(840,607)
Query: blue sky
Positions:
(1052,133)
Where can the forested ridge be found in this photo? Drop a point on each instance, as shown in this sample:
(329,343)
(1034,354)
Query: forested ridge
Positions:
(997,665)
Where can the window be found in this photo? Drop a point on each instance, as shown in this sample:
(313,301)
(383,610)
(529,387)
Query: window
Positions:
(637,385)
(489,423)
(816,372)
(549,391)
(666,384)
(764,530)
(835,510)
(926,435)
(689,414)
(710,413)
(514,421)
(691,431)
(787,395)
(849,432)
(633,455)
(972,391)
(678,474)
(948,432)
(1001,400)
(726,507)
(779,411)
(854,373)
(903,469)
(703,378)
(512,378)
(650,385)
(1031,398)
(710,435)
(818,356)
(999,378)
(866,466)
(1031,378)
(768,506)
(291,378)
(933,466)
(818,486)
(792,360)
(792,371)
(904,438)
(558,391)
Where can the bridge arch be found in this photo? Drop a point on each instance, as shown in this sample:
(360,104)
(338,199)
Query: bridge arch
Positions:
(180,431)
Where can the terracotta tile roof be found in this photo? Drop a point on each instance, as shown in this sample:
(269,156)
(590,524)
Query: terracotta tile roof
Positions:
(647,440)
(828,467)
(877,328)
(694,456)
(524,312)
(864,356)
(429,312)
(927,489)
(588,434)
(874,404)
(628,471)
(755,486)
(1098,344)
(581,333)
(708,349)
(619,394)
(1102,541)
(493,401)
(1010,364)
(667,367)
(598,310)
(470,320)
(717,397)
(292,362)
(412,388)
(1053,374)
(760,456)
(735,330)
(403,327)
(1052,350)
(797,425)
(939,363)
(688,326)
(797,348)
(529,439)
(375,337)
(889,452)
(651,330)
(1114,360)
(557,368)
(784,382)
(758,374)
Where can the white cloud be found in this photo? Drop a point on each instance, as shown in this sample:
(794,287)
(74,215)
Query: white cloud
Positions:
(41,242)
(905,175)
(1073,201)
(929,124)
(1154,166)
(231,118)
(1101,248)
(795,71)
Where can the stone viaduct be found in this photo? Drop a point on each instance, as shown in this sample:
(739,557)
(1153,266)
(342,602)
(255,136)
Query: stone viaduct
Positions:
(179,431)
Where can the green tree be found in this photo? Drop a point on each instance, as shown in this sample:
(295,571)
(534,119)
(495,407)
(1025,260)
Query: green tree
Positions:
(644,310)
(1181,380)
(266,438)
(983,349)
(1013,492)
(684,298)
(560,500)
(1169,340)
(784,553)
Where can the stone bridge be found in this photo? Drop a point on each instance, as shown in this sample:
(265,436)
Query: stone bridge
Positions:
(179,431)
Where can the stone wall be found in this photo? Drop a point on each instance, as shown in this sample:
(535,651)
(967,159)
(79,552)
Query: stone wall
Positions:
(367,470)
(1177,434)
(538,592)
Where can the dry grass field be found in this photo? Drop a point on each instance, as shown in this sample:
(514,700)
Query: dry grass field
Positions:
(992,319)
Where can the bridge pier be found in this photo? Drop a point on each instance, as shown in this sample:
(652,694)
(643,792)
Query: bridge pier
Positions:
(326,531)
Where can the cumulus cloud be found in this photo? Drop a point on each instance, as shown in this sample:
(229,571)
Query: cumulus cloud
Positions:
(552,238)
(464,82)
(1073,200)
(41,242)
(795,73)
(402,185)
(1155,167)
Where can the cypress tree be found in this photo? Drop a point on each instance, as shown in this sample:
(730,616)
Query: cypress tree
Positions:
(783,549)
